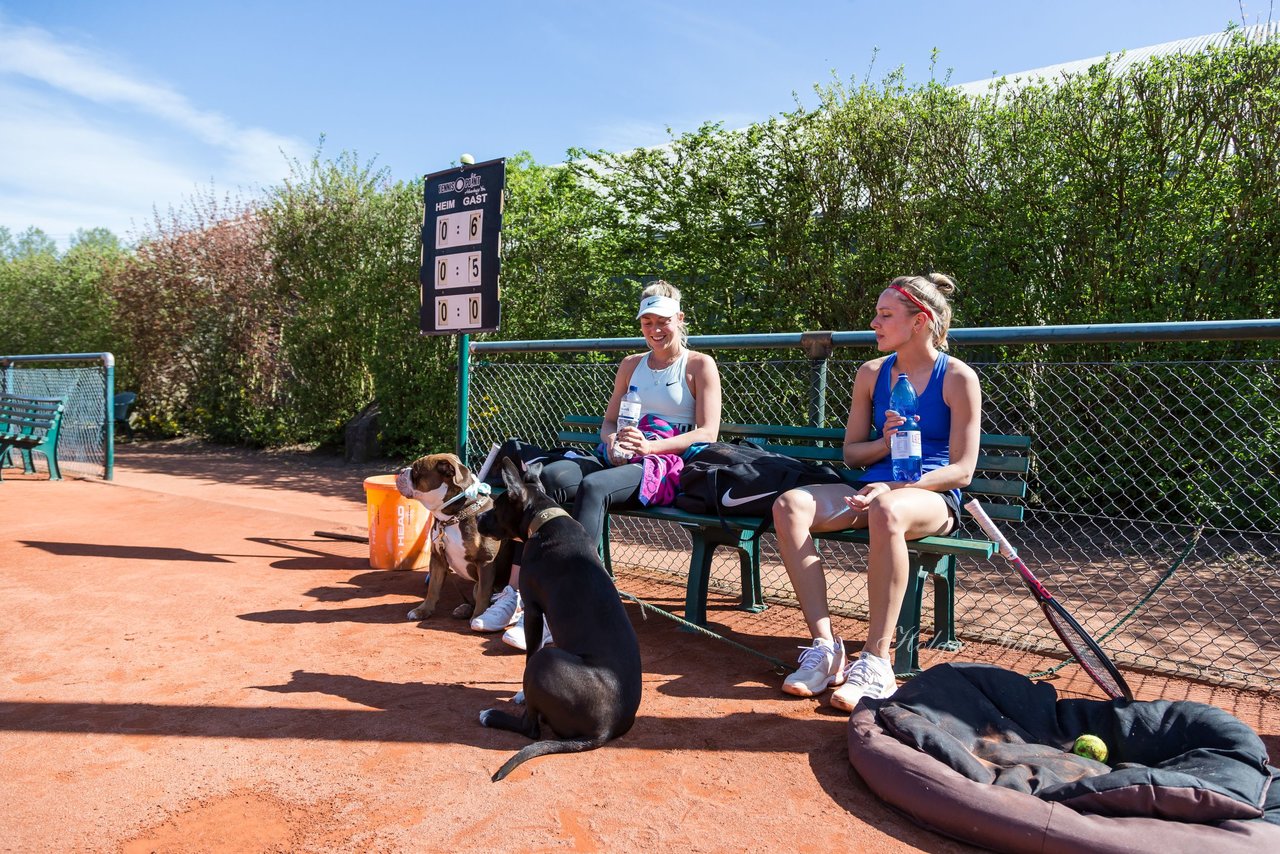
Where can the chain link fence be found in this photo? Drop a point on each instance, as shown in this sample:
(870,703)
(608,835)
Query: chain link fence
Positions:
(1153,513)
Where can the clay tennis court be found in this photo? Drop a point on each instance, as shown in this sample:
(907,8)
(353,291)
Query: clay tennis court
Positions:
(185,666)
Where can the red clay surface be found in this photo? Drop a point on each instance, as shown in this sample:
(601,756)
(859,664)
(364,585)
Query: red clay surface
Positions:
(185,666)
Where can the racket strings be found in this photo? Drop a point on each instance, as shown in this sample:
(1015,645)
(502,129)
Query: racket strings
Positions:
(1084,653)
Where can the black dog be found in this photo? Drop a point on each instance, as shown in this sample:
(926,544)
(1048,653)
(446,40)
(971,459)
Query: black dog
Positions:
(586,688)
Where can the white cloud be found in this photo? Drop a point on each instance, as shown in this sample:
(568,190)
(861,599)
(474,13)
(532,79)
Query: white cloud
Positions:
(85,144)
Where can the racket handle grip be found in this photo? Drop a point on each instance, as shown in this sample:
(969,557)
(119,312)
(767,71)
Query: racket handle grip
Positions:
(488,462)
(975,510)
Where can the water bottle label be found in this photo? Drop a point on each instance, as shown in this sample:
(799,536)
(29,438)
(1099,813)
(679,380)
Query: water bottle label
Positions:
(629,410)
(905,444)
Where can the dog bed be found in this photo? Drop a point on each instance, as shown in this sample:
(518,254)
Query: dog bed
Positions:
(984,755)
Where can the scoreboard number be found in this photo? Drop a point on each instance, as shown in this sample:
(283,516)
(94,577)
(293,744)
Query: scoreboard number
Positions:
(458,311)
(461,270)
(459,229)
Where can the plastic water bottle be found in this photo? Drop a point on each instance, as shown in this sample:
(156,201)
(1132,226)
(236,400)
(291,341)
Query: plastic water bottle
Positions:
(905,444)
(628,416)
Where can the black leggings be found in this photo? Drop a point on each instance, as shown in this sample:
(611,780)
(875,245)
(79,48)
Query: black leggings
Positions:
(602,490)
(593,488)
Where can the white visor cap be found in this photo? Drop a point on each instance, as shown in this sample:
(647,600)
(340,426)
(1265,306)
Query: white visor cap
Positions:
(662,306)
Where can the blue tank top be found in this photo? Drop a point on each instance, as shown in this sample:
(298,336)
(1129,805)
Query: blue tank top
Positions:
(935,420)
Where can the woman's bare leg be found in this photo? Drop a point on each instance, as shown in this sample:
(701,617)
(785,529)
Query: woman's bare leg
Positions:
(797,514)
(894,518)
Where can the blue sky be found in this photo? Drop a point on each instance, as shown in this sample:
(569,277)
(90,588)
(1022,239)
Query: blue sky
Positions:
(111,110)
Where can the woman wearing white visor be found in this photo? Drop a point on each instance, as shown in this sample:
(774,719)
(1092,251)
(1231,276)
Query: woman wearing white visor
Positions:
(676,385)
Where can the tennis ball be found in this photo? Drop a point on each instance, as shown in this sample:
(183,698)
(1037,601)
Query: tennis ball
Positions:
(1090,747)
(467,160)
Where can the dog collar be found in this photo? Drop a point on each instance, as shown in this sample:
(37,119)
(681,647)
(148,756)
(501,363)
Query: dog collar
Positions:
(477,488)
(542,517)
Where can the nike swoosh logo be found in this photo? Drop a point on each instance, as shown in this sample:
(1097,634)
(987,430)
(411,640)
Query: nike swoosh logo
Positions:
(673,382)
(727,500)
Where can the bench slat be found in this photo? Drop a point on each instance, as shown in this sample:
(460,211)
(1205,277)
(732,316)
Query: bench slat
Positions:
(567,437)
(1003,512)
(1003,463)
(26,421)
(27,412)
(989,486)
(807,452)
(1001,442)
(776,431)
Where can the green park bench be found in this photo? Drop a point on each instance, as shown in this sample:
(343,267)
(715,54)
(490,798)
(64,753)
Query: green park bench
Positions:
(28,425)
(999,482)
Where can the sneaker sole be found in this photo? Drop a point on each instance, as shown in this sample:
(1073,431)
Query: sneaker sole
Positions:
(798,689)
(481,627)
(843,706)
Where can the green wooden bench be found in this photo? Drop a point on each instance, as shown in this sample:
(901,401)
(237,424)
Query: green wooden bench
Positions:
(30,424)
(999,482)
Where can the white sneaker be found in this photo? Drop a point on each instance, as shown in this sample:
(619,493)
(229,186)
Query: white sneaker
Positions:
(867,676)
(514,636)
(502,613)
(821,666)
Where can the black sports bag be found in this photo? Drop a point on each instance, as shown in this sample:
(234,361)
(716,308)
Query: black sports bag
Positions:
(742,479)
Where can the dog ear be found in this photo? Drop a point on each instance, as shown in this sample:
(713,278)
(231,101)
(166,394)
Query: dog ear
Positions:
(462,476)
(511,478)
(446,470)
(533,474)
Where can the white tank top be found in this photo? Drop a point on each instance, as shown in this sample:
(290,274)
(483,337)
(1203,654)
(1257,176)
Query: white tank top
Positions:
(666,393)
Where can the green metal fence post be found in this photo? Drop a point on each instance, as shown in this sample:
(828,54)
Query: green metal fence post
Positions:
(464,392)
(109,395)
(817,346)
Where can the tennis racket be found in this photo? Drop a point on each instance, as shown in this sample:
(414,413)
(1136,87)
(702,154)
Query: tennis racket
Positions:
(1077,640)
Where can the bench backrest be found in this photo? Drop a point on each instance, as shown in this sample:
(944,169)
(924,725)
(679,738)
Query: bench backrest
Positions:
(28,416)
(999,481)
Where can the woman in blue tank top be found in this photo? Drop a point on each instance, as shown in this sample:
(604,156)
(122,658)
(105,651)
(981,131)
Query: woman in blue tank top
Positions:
(911,323)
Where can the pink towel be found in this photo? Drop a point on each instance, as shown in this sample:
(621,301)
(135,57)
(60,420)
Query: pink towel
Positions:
(661,479)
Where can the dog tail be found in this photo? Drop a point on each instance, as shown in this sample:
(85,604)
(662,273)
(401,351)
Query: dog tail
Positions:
(544,748)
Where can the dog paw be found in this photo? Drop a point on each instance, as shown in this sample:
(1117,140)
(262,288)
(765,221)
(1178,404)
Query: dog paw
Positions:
(518,699)
(463,611)
(484,716)
(419,614)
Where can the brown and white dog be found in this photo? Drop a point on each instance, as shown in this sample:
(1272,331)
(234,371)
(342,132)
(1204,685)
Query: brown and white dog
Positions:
(455,497)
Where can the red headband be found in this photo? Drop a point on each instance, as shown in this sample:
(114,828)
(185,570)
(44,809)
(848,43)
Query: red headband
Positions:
(914,301)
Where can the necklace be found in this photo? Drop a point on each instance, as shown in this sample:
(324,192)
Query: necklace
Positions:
(660,376)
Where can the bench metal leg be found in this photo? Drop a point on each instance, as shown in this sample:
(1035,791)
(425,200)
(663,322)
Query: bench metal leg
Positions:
(944,606)
(906,650)
(942,570)
(51,457)
(704,542)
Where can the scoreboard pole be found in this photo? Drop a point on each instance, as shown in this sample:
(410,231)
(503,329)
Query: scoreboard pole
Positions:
(464,393)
